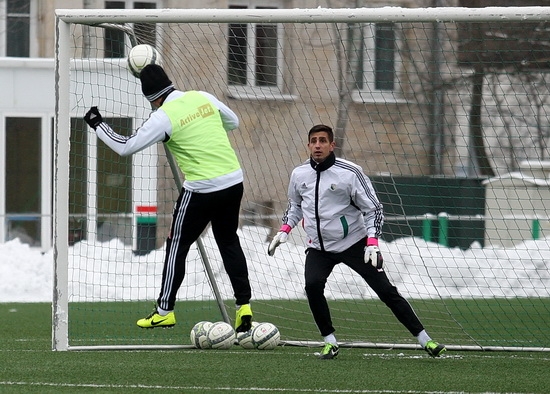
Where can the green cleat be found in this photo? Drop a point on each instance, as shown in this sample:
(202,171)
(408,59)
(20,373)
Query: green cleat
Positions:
(329,352)
(155,320)
(243,320)
(434,349)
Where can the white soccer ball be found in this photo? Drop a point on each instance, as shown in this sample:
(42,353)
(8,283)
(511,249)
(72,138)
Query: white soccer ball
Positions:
(198,335)
(244,339)
(141,56)
(266,336)
(220,335)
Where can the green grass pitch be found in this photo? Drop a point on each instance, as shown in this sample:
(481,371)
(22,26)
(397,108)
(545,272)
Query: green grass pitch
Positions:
(513,322)
(30,366)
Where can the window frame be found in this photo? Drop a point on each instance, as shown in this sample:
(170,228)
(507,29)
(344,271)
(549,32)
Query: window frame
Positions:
(45,175)
(250,89)
(366,90)
(129,5)
(33,28)
(91,192)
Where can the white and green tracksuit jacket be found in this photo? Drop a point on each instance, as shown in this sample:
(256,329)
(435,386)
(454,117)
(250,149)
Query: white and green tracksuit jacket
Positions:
(337,202)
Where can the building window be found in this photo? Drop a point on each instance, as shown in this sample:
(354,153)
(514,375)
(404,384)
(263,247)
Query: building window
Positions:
(23,179)
(254,52)
(114,39)
(377,62)
(114,174)
(113,192)
(18,27)
(78,181)
(145,33)
(384,54)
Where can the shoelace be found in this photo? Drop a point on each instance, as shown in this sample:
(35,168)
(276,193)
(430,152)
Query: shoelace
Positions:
(327,349)
(151,314)
(435,345)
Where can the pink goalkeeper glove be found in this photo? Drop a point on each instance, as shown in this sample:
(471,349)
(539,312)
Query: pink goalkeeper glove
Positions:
(372,254)
(278,239)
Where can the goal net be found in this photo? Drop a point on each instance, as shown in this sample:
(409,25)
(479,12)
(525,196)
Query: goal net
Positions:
(446,109)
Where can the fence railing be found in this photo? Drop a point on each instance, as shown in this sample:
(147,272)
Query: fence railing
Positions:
(429,232)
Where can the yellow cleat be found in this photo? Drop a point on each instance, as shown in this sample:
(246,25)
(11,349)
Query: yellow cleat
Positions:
(155,320)
(434,349)
(329,351)
(243,321)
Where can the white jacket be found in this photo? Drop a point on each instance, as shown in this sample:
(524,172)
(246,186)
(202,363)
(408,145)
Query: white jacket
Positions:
(337,202)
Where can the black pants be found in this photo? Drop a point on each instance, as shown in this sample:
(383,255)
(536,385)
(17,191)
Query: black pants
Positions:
(192,214)
(320,264)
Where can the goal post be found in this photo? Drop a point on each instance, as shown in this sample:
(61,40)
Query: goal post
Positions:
(444,108)
(60,296)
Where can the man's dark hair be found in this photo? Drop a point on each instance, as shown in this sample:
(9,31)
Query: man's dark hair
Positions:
(321,127)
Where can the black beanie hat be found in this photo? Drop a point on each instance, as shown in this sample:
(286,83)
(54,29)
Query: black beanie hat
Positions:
(154,82)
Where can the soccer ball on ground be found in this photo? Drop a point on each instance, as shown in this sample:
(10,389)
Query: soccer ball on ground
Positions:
(266,336)
(141,56)
(244,339)
(198,335)
(220,335)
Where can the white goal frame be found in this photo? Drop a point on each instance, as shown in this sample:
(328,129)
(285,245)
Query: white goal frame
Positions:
(66,17)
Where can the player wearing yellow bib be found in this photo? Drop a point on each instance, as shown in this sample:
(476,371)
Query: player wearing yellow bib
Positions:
(194,126)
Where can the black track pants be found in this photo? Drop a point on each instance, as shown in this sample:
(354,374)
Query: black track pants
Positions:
(320,264)
(192,214)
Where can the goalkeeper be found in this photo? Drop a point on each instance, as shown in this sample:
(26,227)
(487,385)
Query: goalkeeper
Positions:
(343,221)
(194,127)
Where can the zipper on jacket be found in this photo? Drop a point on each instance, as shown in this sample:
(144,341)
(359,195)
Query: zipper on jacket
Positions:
(317,219)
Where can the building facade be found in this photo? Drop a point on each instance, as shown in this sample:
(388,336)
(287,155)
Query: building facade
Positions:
(277,93)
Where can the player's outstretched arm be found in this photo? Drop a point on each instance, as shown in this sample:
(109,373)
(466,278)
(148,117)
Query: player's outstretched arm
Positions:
(154,130)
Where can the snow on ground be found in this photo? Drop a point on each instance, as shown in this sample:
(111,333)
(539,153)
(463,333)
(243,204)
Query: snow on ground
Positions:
(419,269)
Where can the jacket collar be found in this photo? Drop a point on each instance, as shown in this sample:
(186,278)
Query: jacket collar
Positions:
(325,165)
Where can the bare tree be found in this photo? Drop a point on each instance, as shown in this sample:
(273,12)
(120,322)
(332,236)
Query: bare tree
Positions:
(491,47)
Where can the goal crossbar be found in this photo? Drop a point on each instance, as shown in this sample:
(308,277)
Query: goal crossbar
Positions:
(305,15)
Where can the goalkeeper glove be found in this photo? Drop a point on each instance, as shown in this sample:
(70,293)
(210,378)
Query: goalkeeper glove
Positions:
(93,118)
(278,239)
(372,253)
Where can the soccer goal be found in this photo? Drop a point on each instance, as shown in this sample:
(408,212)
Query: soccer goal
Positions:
(446,109)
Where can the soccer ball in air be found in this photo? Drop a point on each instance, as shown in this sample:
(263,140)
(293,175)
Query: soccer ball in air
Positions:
(220,335)
(244,339)
(141,56)
(198,335)
(265,336)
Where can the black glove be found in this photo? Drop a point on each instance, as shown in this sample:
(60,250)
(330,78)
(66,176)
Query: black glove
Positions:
(93,118)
